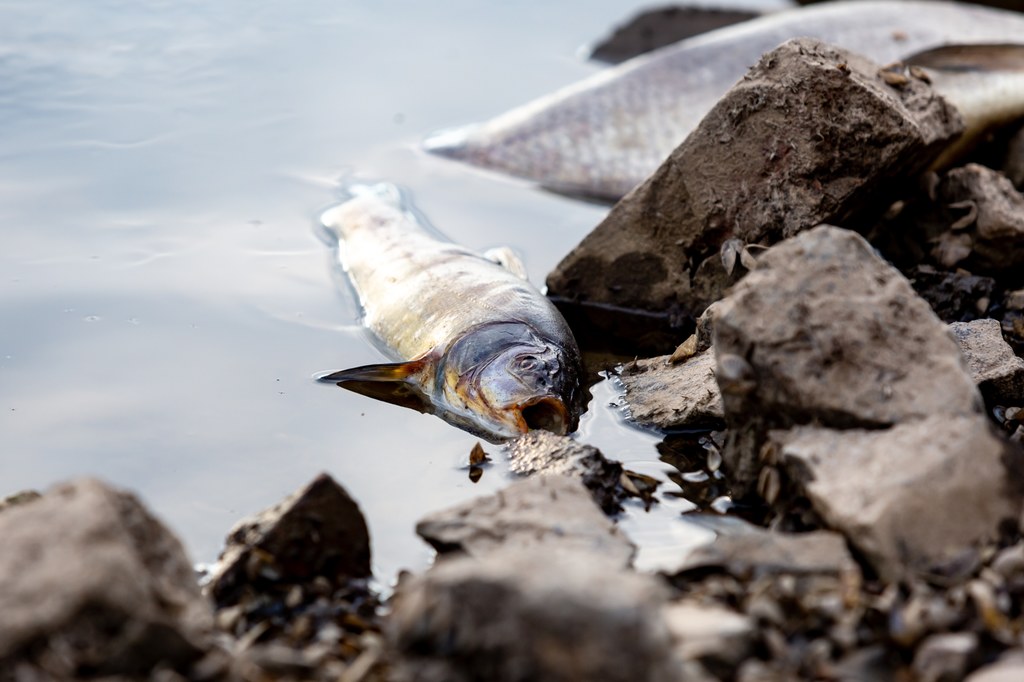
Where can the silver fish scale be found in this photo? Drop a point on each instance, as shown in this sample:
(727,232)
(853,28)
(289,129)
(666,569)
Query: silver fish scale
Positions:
(418,292)
(604,135)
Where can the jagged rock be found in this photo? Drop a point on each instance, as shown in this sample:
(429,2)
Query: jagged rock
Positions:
(823,330)
(944,657)
(543,452)
(919,497)
(668,395)
(709,633)
(92,584)
(552,512)
(748,552)
(1009,668)
(318,531)
(985,217)
(991,361)
(848,135)
(530,614)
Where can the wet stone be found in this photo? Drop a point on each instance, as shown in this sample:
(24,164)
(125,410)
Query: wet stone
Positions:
(734,178)
(292,587)
(944,657)
(984,215)
(747,552)
(825,331)
(92,584)
(543,452)
(551,512)
(671,395)
(530,613)
(917,498)
(317,532)
(991,361)
(696,460)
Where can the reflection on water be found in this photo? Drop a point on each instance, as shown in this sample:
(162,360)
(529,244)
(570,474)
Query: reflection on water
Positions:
(164,300)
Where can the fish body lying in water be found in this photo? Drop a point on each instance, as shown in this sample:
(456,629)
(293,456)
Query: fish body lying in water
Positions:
(604,135)
(478,345)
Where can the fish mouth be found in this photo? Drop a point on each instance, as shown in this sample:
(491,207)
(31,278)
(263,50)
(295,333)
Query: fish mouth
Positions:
(544,414)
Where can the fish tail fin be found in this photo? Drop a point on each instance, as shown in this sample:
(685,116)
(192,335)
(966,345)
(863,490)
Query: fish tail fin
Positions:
(330,225)
(453,143)
(971,58)
(397,383)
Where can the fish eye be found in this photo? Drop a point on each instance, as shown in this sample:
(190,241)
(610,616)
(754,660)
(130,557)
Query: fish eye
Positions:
(528,363)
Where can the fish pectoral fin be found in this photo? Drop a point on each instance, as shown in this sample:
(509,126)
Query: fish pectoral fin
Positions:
(508,259)
(397,383)
(968,58)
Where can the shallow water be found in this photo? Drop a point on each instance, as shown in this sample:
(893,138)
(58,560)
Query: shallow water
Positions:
(164,299)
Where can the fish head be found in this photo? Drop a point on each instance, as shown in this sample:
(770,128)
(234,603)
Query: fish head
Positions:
(509,380)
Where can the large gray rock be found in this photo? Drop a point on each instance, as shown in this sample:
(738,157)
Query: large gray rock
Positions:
(543,452)
(552,513)
(667,395)
(991,361)
(824,331)
(530,614)
(748,552)
(920,497)
(318,531)
(985,216)
(91,583)
(763,165)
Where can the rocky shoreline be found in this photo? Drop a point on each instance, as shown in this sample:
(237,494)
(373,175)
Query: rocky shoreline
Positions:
(853,376)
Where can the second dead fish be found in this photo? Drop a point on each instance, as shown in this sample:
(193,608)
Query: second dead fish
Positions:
(602,136)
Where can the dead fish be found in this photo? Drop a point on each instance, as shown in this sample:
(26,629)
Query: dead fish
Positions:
(477,344)
(604,135)
(984,82)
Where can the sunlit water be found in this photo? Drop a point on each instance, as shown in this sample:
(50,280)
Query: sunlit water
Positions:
(164,301)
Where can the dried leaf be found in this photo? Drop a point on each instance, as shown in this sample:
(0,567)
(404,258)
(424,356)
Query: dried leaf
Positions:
(686,350)
(477,456)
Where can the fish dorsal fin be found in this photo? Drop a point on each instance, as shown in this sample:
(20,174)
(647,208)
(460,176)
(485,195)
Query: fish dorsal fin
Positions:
(969,58)
(508,259)
(398,383)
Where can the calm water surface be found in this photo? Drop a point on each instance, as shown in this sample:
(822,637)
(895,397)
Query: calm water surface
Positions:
(164,301)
